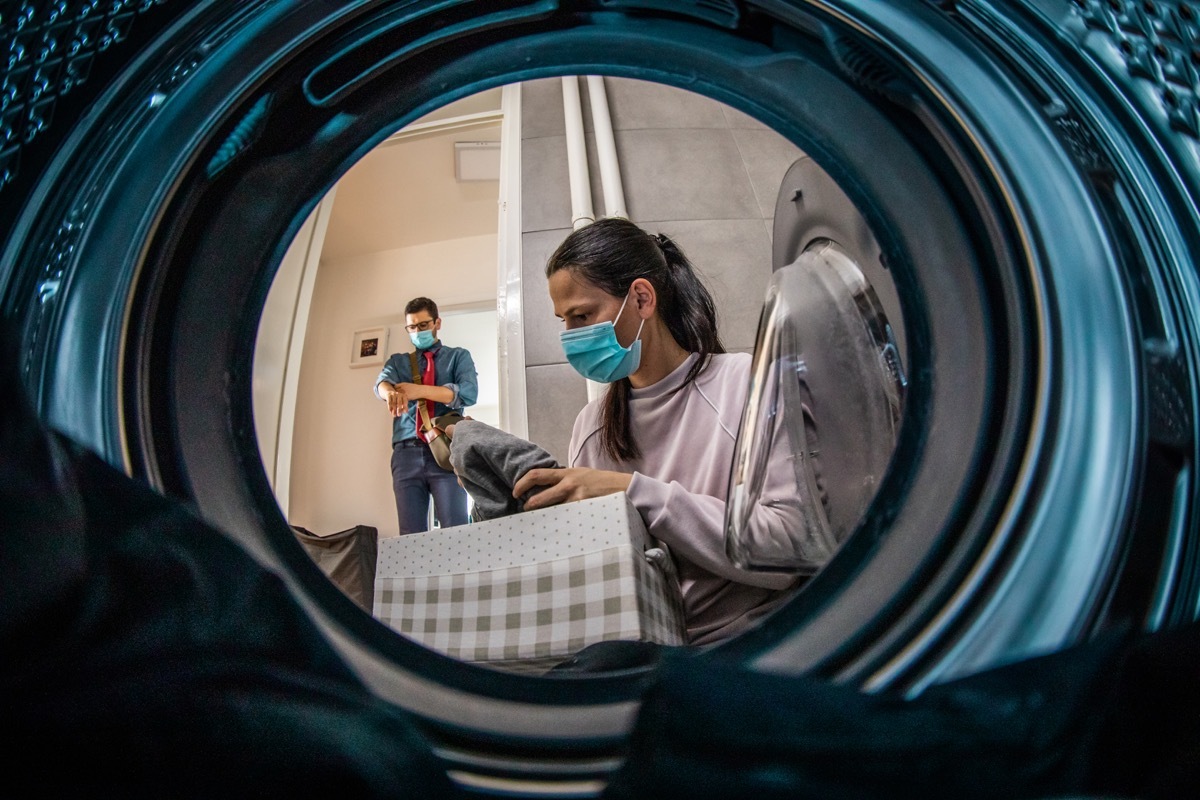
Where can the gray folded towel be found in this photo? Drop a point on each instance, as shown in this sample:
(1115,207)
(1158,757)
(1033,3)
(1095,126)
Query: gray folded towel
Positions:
(489,462)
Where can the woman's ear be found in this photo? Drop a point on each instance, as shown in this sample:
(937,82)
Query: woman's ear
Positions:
(644,298)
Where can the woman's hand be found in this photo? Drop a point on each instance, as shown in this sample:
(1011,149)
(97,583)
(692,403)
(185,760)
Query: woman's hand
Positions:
(554,486)
(450,428)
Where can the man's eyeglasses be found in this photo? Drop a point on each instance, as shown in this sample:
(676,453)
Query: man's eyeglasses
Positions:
(420,326)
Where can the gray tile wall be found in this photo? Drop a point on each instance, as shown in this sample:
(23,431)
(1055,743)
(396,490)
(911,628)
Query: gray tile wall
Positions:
(555,394)
(701,172)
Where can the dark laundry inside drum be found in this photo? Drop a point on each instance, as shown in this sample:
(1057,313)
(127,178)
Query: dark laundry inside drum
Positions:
(147,655)
(1118,717)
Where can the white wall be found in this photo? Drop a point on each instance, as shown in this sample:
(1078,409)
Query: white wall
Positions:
(342,441)
(476,331)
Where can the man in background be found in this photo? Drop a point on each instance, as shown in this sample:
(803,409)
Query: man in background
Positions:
(445,380)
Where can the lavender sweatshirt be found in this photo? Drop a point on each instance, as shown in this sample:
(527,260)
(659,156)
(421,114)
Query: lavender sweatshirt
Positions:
(680,483)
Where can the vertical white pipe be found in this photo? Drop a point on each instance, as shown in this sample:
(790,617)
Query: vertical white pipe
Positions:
(610,172)
(577,166)
(606,149)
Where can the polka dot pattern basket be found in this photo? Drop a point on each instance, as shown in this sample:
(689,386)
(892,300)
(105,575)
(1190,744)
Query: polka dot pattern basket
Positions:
(531,589)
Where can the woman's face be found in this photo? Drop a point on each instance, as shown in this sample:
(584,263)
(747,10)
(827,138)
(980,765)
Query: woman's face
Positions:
(578,303)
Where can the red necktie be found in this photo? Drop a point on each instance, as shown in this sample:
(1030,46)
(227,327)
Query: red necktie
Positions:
(427,377)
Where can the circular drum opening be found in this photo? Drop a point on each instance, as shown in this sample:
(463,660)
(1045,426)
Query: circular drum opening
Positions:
(1028,207)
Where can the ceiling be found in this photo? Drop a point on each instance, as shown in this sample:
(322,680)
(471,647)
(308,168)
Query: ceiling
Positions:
(404,193)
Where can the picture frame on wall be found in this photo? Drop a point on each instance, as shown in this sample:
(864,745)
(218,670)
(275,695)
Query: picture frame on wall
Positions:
(370,347)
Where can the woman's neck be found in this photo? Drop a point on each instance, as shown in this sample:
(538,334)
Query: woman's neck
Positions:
(661,355)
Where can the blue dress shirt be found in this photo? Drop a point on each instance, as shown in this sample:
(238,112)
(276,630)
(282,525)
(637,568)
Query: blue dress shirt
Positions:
(453,368)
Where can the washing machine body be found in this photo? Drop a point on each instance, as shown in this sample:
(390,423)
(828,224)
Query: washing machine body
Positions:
(1018,178)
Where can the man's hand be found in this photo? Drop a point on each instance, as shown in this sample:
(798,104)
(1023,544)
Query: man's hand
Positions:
(397,401)
(569,484)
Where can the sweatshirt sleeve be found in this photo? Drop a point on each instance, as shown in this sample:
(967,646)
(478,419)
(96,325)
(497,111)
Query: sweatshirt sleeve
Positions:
(693,526)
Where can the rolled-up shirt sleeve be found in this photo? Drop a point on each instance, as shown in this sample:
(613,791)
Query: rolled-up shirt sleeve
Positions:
(464,381)
(389,373)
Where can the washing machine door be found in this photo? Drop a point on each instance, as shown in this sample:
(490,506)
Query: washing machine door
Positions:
(822,418)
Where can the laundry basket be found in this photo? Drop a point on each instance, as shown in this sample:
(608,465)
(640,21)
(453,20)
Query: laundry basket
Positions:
(527,591)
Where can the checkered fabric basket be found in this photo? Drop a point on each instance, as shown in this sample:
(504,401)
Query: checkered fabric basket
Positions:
(560,579)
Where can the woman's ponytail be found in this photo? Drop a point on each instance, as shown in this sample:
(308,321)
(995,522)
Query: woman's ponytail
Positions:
(692,317)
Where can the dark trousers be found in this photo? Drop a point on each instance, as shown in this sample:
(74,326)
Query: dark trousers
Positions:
(416,477)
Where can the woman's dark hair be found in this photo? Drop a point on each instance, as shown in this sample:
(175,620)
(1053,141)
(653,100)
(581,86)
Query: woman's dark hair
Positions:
(611,254)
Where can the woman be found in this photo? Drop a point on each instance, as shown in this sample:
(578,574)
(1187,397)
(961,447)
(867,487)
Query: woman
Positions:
(638,318)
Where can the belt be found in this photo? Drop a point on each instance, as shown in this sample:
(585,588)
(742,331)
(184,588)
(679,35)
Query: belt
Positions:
(410,443)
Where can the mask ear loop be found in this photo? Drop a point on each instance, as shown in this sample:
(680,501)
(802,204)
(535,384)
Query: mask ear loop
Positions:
(621,309)
(637,335)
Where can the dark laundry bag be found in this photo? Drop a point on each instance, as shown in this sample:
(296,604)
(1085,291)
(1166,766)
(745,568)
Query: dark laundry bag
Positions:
(348,559)
(1118,717)
(148,655)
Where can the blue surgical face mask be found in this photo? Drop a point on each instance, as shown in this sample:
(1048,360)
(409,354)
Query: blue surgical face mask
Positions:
(596,354)
(422,340)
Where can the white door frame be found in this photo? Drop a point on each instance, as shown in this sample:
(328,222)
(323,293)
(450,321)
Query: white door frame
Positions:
(514,410)
(291,375)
